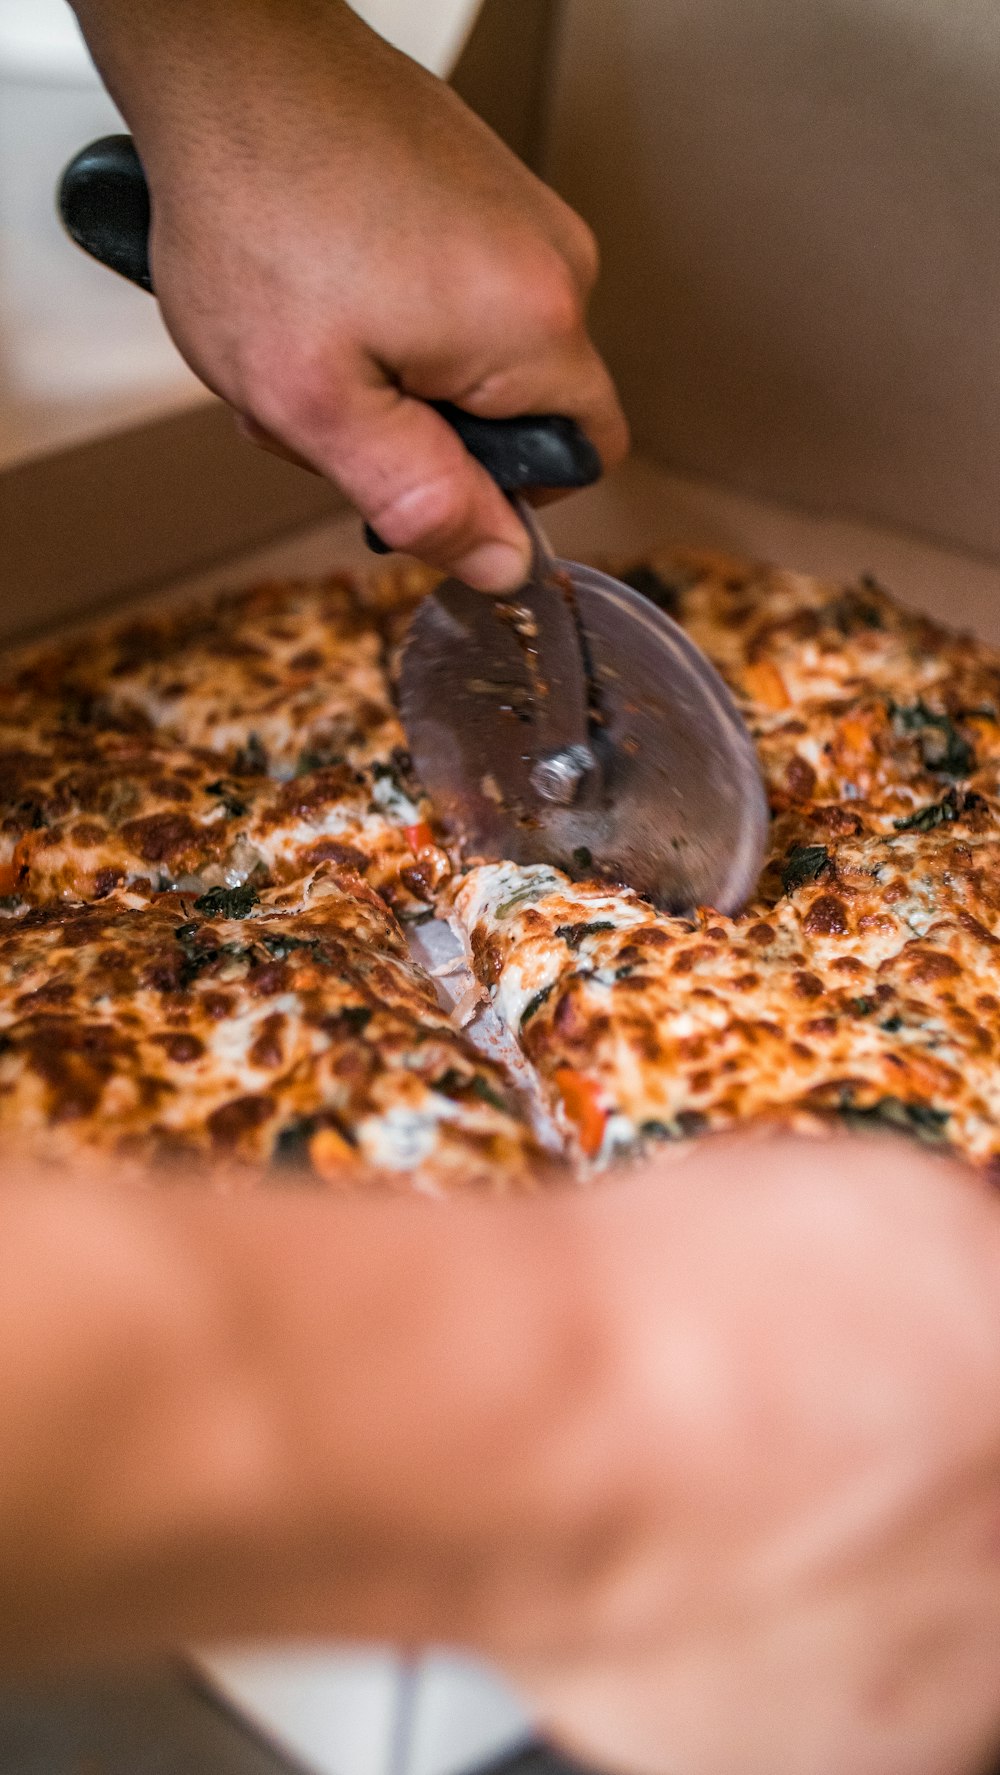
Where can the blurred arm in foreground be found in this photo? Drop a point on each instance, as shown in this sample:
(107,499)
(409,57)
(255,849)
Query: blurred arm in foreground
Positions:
(708,1460)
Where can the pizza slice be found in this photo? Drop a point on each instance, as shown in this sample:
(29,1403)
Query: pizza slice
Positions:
(848,694)
(861,983)
(868,992)
(83,814)
(274,680)
(294,1033)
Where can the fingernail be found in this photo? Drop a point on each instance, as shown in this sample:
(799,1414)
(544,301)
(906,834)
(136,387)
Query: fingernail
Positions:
(494,567)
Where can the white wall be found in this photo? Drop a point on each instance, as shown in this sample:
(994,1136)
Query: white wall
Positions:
(80,350)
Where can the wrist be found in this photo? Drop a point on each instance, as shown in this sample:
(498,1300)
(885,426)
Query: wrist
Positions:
(188,76)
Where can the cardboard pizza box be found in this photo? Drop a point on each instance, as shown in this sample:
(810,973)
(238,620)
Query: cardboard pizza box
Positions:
(798,300)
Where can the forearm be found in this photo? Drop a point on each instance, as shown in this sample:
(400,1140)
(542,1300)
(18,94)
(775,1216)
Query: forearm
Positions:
(227,1417)
(211,77)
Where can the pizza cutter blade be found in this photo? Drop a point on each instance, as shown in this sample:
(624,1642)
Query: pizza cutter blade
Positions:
(575,724)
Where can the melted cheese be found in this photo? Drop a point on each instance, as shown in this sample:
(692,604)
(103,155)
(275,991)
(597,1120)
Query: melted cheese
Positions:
(863,981)
(255,741)
(301,1031)
(247,740)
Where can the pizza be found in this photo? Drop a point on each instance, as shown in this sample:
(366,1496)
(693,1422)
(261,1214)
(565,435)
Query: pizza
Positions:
(862,984)
(291,1030)
(210,831)
(274,680)
(82,815)
(245,740)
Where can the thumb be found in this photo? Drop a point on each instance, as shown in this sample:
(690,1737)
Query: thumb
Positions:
(413,480)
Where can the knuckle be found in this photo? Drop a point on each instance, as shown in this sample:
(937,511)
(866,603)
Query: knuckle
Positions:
(428,516)
(556,302)
(295,393)
(584,250)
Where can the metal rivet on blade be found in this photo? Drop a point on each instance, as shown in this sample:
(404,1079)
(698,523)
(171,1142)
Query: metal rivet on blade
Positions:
(558,777)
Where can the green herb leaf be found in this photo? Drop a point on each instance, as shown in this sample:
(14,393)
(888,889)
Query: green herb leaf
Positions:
(485,1092)
(251,759)
(917,1119)
(943,749)
(357,1018)
(658,1131)
(230,801)
(457,1085)
(533,891)
(220,902)
(953,757)
(803,863)
(574,934)
(317,758)
(197,956)
(291,1146)
(938,813)
(278,946)
(281,944)
(685,1126)
(388,773)
(852,612)
(582,857)
(664,593)
(451,1082)
(535,1004)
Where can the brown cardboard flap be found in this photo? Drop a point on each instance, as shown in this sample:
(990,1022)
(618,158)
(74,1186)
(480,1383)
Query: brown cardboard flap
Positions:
(132,511)
(122,514)
(797,206)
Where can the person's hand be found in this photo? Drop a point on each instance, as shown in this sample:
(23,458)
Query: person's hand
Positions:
(335,240)
(708,1460)
(793,1558)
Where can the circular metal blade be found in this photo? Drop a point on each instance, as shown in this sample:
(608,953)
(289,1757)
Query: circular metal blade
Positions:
(677,807)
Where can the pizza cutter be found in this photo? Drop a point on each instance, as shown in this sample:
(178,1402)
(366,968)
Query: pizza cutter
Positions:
(572,723)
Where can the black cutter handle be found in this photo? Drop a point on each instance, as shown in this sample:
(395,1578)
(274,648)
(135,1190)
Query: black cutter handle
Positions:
(533,1758)
(103,201)
(104,205)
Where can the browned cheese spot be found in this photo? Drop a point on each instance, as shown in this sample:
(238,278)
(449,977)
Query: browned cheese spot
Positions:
(760,934)
(106,880)
(926,965)
(800,778)
(180,1047)
(267,1050)
(827,917)
(87,834)
(160,837)
(242,1115)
